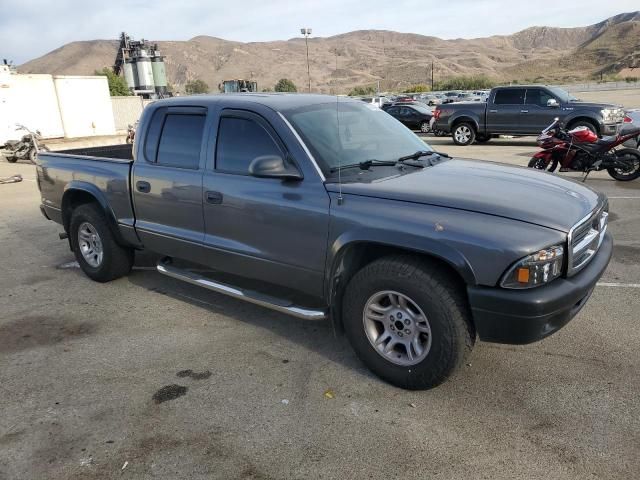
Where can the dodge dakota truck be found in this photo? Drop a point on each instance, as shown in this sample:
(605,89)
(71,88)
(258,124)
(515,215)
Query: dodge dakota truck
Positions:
(523,110)
(325,207)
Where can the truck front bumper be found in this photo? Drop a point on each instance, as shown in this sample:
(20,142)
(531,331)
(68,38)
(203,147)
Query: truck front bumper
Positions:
(525,316)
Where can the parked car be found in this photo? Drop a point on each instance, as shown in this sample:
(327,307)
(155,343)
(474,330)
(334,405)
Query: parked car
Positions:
(414,116)
(524,110)
(377,101)
(329,208)
(631,119)
(432,99)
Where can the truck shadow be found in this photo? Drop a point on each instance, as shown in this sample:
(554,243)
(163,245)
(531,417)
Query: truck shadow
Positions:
(317,336)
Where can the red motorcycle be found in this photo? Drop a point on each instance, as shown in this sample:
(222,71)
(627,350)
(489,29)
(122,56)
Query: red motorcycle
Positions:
(580,150)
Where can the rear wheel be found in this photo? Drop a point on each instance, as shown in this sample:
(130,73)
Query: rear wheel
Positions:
(424,127)
(407,321)
(463,134)
(100,257)
(630,172)
(12,159)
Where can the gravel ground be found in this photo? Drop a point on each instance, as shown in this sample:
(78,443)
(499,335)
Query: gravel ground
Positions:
(146,377)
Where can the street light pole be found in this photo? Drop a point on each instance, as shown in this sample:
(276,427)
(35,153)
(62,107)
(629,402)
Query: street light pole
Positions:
(306,32)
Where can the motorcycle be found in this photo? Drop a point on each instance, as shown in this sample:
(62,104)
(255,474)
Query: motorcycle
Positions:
(26,148)
(581,150)
(131,132)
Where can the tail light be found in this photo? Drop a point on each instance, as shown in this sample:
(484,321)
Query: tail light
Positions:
(436,113)
(627,119)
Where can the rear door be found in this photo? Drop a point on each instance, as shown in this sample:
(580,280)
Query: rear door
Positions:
(536,116)
(266,229)
(167,182)
(503,113)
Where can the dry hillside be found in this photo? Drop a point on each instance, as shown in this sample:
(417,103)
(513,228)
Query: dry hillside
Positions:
(364,57)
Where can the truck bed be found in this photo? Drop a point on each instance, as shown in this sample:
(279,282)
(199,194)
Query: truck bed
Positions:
(102,171)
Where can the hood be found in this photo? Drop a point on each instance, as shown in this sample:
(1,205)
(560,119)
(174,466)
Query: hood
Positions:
(518,193)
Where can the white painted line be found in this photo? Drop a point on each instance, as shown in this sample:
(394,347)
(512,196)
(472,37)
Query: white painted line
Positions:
(614,284)
(625,198)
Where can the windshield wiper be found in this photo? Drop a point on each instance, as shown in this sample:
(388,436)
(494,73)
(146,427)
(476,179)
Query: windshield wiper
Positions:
(365,165)
(422,153)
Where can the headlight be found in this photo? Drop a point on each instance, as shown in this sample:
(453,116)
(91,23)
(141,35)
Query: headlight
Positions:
(612,115)
(536,269)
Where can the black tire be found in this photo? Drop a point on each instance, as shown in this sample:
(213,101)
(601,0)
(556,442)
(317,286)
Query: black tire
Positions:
(464,133)
(633,172)
(442,302)
(424,127)
(12,159)
(540,164)
(483,138)
(584,123)
(116,260)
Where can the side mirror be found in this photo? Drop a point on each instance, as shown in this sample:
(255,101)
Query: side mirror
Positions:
(553,103)
(273,166)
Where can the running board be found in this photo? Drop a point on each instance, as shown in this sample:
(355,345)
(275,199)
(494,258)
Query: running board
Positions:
(165,268)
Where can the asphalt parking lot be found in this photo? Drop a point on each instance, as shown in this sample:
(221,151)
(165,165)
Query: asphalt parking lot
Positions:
(87,372)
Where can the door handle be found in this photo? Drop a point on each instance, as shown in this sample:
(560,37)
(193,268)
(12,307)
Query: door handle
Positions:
(143,187)
(493,111)
(524,111)
(213,197)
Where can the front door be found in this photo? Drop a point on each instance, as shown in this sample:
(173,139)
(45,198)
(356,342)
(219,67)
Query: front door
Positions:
(536,116)
(266,229)
(167,182)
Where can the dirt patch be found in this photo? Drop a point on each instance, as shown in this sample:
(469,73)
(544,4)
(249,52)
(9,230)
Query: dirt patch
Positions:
(626,254)
(169,392)
(194,375)
(37,331)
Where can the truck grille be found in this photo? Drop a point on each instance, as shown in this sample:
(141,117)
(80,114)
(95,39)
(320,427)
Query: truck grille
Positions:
(585,239)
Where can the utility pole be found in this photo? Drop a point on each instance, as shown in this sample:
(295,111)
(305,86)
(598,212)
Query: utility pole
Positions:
(432,75)
(306,32)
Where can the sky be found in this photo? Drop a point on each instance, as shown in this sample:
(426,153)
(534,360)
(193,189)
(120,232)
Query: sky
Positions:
(31,28)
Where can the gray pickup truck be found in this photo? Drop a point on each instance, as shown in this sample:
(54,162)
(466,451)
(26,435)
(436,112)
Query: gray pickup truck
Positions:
(323,207)
(523,110)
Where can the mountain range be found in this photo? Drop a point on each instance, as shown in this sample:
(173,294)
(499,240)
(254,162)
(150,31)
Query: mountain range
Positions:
(365,57)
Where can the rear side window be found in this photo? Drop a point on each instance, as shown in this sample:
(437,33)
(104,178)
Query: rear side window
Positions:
(240,141)
(181,140)
(510,96)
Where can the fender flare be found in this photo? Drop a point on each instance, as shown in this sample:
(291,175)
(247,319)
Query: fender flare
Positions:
(99,198)
(583,115)
(418,244)
(464,116)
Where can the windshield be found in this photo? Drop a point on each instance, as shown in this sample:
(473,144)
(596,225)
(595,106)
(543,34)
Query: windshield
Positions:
(348,132)
(562,94)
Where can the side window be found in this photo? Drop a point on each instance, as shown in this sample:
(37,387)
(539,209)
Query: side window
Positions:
(536,96)
(153,135)
(240,141)
(510,96)
(393,110)
(181,140)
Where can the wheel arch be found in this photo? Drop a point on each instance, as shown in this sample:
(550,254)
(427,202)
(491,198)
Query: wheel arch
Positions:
(583,118)
(81,193)
(465,118)
(349,256)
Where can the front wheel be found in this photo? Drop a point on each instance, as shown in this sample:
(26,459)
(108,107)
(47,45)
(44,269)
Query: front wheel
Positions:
(408,321)
(100,257)
(463,134)
(548,165)
(631,171)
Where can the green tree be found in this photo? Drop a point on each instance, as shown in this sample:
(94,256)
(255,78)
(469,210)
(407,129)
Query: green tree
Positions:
(117,84)
(464,82)
(362,91)
(285,85)
(418,88)
(196,86)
